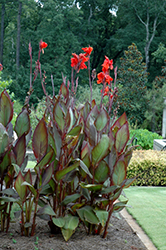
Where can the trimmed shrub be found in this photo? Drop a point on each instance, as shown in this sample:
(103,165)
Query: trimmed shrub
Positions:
(144,137)
(149,166)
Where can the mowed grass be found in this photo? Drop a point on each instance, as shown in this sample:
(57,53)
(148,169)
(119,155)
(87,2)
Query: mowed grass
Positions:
(31,164)
(149,210)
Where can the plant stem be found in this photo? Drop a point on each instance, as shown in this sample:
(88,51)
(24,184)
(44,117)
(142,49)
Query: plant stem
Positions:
(90,83)
(102,95)
(107,223)
(53,89)
(34,217)
(8,217)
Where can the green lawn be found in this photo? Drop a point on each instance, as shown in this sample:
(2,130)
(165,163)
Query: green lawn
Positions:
(31,164)
(149,210)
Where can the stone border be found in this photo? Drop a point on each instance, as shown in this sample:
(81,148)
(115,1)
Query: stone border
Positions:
(138,230)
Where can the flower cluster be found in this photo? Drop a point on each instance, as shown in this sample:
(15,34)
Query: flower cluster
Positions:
(105,78)
(78,61)
(43,45)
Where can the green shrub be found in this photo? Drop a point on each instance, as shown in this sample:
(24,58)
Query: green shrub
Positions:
(149,166)
(144,137)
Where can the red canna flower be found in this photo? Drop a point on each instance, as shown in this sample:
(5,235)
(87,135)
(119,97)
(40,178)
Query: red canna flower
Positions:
(108,79)
(78,61)
(106,91)
(43,45)
(104,77)
(100,77)
(87,50)
(111,96)
(1,67)
(74,60)
(108,64)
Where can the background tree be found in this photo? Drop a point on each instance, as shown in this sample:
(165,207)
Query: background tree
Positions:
(156,95)
(143,23)
(97,27)
(149,14)
(132,81)
(18,34)
(2,31)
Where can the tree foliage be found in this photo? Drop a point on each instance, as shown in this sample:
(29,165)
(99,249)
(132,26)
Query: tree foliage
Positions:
(132,76)
(69,25)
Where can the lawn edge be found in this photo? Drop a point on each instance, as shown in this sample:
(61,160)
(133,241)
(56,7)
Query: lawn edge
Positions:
(138,230)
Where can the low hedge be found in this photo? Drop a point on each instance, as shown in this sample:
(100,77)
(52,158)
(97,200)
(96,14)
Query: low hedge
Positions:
(144,138)
(149,166)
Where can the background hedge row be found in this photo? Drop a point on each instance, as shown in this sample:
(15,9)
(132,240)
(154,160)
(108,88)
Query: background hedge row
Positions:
(149,166)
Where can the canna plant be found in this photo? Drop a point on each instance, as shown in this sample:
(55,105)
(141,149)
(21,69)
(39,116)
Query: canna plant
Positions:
(12,154)
(82,156)
(89,153)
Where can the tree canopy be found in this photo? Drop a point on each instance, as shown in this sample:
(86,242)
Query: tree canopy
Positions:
(109,26)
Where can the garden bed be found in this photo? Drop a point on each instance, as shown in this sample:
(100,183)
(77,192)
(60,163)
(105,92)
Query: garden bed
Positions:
(120,236)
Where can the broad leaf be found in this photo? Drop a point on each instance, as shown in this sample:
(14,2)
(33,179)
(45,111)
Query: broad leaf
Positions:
(46,190)
(4,139)
(119,122)
(28,176)
(121,138)
(6,161)
(75,131)
(20,150)
(109,190)
(22,124)
(67,233)
(119,173)
(47,174)
(100,150)
(57,140)
(21,190)
(85,192)
(71,222)
(87,162)
(31,188)
(102,172)
(92,187)
(61,173)
(64,91)
(8,199)
(72,119)
(44,161)
(101,120)
(59,113)
(119,206)
(92,135)
(59,222)
(102,215)
(40,140)
(85,150)
(6,108)
(70,198)
(86,110)
(46,210)
(84,168)
(128,182)
(68,224)
(87,214)
(92,116)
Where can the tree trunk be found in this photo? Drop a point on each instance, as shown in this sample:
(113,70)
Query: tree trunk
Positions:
(2,32)
(18,34)
(150,32)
